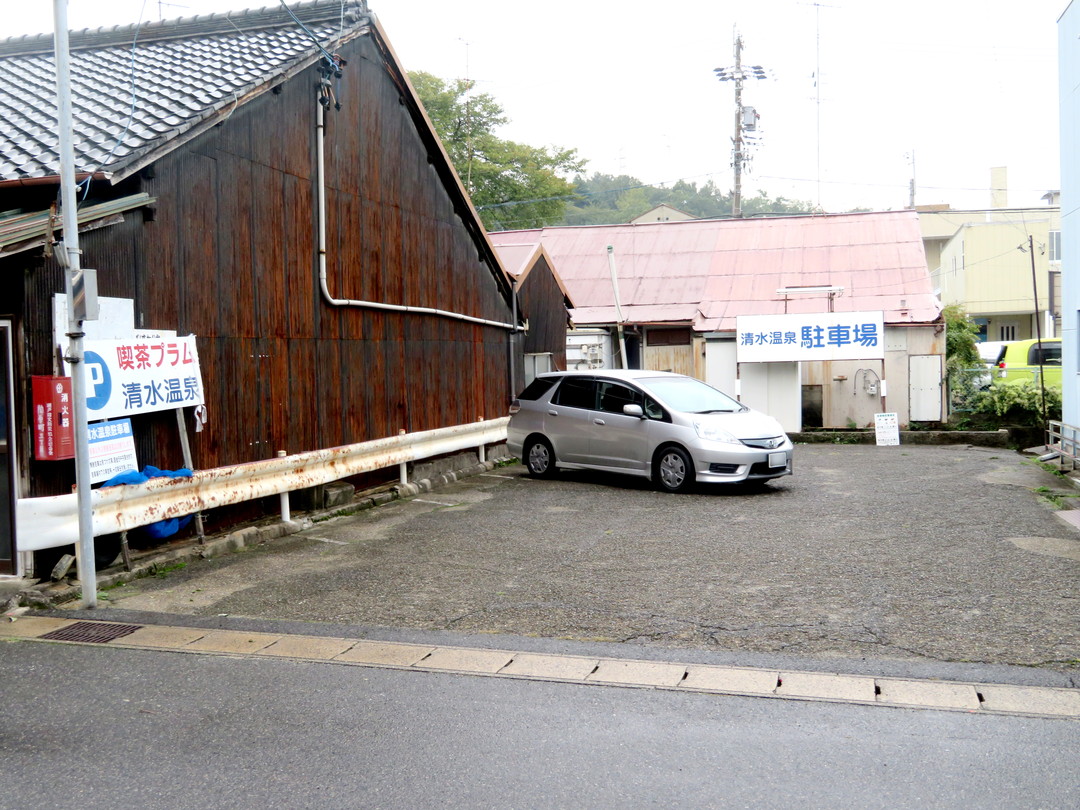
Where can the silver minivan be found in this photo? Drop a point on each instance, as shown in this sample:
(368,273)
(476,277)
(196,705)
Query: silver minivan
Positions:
(670,428)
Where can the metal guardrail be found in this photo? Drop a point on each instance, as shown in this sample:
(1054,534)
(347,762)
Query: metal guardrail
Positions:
(53,521)
(1065,440)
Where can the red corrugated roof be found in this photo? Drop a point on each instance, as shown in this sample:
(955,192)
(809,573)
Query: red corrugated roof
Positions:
(707,272)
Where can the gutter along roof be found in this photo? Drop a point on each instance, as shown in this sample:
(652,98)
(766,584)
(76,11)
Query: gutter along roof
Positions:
(705,273)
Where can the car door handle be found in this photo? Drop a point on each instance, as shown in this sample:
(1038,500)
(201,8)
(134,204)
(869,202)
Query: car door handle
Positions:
(552,412)
(598,421)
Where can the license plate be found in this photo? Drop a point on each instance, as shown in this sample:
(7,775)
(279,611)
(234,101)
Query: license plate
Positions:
(777,459)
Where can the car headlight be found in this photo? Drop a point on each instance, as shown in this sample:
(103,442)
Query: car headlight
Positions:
(712,432)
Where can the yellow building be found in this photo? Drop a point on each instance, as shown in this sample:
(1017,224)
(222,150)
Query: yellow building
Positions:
(994,262)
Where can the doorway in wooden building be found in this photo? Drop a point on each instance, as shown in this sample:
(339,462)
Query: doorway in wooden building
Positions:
(7,453)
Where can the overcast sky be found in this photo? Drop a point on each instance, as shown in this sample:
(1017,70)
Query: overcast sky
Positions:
(942,89)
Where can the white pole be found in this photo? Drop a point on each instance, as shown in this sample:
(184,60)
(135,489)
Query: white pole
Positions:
(618,305)
(286,511)
(69,259)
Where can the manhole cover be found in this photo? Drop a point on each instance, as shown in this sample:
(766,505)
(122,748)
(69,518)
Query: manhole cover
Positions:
(91,632)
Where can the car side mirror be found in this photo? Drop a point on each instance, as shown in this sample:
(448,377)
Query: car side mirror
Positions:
(633,409)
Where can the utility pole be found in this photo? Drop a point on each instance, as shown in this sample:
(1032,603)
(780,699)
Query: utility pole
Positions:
(736,198)
(81,289)
(745,119)
(911,188)
(1038,326)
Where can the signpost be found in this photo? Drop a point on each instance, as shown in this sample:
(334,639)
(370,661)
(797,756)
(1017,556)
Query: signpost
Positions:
(887,429)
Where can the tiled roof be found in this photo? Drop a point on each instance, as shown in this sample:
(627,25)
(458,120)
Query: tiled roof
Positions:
(707,272)
(183,75)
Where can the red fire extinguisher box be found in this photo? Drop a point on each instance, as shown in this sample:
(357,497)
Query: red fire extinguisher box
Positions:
(54,432)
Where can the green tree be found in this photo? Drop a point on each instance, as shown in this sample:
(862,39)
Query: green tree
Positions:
(607,200)
(961,351)
(512,185)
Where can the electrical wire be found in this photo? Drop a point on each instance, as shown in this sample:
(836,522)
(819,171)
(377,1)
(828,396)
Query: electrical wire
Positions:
(131,113)
(326,54)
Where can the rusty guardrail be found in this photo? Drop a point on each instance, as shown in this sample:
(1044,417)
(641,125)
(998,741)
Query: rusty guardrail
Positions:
(53,521)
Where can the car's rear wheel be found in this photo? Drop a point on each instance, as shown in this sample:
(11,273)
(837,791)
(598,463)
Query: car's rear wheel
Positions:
(674,470)
(539,457)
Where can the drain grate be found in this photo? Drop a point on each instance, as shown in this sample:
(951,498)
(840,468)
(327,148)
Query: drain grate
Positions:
(92,632)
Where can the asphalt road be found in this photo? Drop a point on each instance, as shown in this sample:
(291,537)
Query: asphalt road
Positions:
(96,727)
(915,559)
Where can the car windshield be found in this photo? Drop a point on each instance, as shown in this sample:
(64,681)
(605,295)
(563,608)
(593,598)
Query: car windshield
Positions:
(689,395)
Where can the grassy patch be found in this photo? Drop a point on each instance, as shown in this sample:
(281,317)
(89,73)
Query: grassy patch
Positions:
(1053,469)
(165,570)
(1055,498)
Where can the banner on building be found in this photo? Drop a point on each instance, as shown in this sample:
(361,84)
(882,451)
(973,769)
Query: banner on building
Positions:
(810,336)
(138,375)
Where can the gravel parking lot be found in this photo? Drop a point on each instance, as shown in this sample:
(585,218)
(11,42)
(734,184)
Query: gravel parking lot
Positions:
(919,553)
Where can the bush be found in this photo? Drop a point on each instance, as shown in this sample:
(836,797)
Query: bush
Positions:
(1019,403)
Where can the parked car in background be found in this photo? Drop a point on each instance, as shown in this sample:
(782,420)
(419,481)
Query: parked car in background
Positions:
(1024,360)
(989,350)
(669,428)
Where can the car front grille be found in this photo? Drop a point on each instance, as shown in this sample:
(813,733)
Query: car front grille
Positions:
(770,443)
(763,468)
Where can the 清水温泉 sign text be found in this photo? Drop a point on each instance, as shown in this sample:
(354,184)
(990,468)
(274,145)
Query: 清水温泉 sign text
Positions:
(133,376)
(811,336)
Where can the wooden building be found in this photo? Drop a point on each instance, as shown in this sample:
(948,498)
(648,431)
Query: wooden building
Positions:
(200,139)
(544,302)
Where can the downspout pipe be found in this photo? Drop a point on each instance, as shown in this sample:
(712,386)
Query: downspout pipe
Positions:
(320,160)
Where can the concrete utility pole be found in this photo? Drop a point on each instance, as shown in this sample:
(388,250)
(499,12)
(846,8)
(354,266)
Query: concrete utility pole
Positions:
(745,118)
(736,199)
(81,305)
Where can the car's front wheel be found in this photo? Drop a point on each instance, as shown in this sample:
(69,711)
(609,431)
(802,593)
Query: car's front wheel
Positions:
(539,457)
(674,470)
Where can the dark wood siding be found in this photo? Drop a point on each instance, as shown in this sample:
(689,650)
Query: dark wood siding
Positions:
(542,302)
(230,255)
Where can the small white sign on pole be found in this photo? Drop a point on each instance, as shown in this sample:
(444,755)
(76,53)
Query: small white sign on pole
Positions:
(887,428)
(112,449)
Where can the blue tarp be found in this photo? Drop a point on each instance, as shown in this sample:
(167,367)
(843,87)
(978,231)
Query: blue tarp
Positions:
(163,528)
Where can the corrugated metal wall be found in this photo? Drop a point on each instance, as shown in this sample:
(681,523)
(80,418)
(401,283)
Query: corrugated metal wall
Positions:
(230,255)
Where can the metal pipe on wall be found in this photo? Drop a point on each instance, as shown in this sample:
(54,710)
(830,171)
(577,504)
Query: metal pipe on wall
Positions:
(320,160)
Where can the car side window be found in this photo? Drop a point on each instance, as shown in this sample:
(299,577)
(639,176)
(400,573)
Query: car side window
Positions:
(654,410)
(1051,354)
(576,392)
(614,396)
(537,388)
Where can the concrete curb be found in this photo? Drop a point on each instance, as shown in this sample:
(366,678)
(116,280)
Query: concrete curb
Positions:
(970,697)
(975,438)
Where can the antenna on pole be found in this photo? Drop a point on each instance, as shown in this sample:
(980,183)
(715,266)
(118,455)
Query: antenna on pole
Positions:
(911,159)
(745,119)
(468,120)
